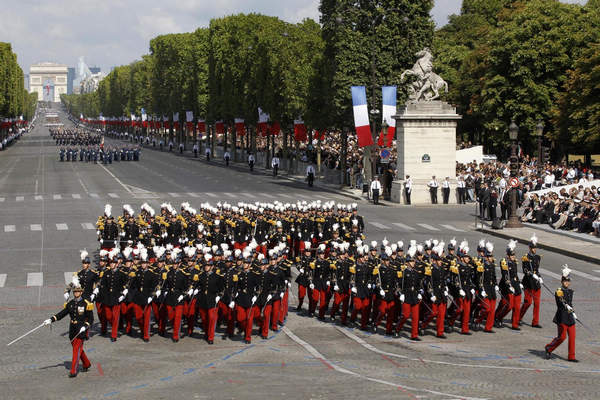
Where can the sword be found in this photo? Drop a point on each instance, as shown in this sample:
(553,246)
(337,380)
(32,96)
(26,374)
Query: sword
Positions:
(584,325)
(22,336)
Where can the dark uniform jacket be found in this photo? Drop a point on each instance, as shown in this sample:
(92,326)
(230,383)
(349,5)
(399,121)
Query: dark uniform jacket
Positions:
(303,278)
(247,287)
(362,278)
(112,284)
(410,285)
(175,285)
(531,265)
(209,285)
(110,235)
(509,278)
(387,280)
(87,279)
(321,273)
(142,285)
(341,275)
(486,279)
(563,297)
(435,283)
(81,314)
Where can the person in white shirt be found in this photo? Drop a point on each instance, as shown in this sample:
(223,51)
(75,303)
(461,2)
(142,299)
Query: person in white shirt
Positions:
(590,176)
(275,165)
(195,149)
(180,148)
(226,157)
(375,190)
(433,188)
(460,187)
(571,175)
(446,190)
(310,174)
(548,179)
(251,161)
(407,188)
(207,153)
(170,145)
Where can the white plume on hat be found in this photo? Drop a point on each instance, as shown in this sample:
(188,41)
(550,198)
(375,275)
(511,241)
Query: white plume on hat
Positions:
(440,248)
(420,248)
(384,242)
(453,242)
(355,222)
(306,245)
(322,247)
(481,244)
(489,246)
(75,280)
(388,251)
(373,244)
(107,210)
(394,247)
(512,244)
(207,257)
(83,254)
(144,254)
(335,227)
(400,245)
(237,252)
(566,271)
(412,250)
(534,240)
(103,253)
(224,246)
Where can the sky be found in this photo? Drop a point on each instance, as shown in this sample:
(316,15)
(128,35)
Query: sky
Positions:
(116,32)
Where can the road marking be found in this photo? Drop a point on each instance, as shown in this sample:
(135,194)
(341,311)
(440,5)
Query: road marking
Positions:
(193,194)
(231,195)
(68,277)
(117,179)
(19,198)
(62,227)
(597,270)
(1,199)
(173,194)
(550,273)
(9,228)
(57,197)
(250,195)
(378,225)
(94,195)
(403,226)
(211,194)
(38,197)
(584,275)
(285,195)
(427,226)
(76,196)
(35,227)
(452,228)
(35,279)
(87,225)
(2,280)
(113,195)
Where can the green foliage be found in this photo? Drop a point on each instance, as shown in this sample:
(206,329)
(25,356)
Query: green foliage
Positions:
(14,99)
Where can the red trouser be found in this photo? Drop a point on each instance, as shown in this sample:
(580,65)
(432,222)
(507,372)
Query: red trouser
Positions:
(245,318)
(506,305)
(410,311)
(464,310)
(174,314)
(532,296)
(209,321)
(111,315)
(190,315)
(101,317)
(386,309)
(562,335)
(240,246)
(364,307)
(157,311)
(487,312)
(123,319)
(319,296)
(142,316)
(276,312)
(284,306)
(78,354)
(342,298)
(127,315)
(228,315)
(266,319)
(438,312)
(301,294)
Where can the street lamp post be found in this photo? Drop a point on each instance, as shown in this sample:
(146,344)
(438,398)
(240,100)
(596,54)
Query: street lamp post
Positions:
(513,220)
(539,131)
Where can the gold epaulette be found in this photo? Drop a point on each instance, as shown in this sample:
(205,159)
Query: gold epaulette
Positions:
(89,305)
(504,265)
(235,278)
(132,274)
(195,279)
(399,274)
(352,269)
(428,271)
(312,265)
(454,269)
(65,304)
(332,266)
(164,276)
(375,271)
(559,292)
(479,268)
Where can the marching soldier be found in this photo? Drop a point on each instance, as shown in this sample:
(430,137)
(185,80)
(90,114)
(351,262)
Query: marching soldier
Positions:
(510,288)
(209,286)
(461,276)
(386,283)
(303,280)
(226,303)
(245,301)
(176,286)
(437,291)
(86,278)
(487,287)
(340,279)
(112,292)
(410,296)
(321,281)
(532,282)
(142,287)
(564,318)
(360,283)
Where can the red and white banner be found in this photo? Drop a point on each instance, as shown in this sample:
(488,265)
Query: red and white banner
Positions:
(388,94)
(201,126)
(361,116)
(240,127)
(220,127)
(300,131)
(263,119)
(275,128)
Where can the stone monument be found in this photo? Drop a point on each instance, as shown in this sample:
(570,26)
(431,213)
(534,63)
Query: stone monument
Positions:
(425,135)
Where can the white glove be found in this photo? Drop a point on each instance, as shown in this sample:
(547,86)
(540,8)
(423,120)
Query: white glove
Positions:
(445,292)
(540,280)
(368,286)
(83,328)
(299,235)
(96,290)
(253,299)
(121,298)
(574,315)
(149,300)
(354,290)
(473,292)
(232,305)
(520,284)
(101,241)
(320,235)
(497,289)
(48,321)
(269,297)
(217,299)
(402,298)
(281,295)
(569,308)
(97,232)
(180,298)
(483,294)
(301,270)
(381,292)
(336,288)
(433,299)
(328,283)
(462,293)
(125,292)
(419,296)
(289,284)
(537,278)
(311,286)
(122,234)
(66,295)
(158,292)
(312,235)
(190,292)
(512,289)
(195,292)
(93,296)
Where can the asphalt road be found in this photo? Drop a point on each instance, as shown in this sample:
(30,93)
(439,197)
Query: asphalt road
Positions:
(47,213)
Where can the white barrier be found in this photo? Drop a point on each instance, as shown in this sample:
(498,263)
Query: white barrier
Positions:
(557,189)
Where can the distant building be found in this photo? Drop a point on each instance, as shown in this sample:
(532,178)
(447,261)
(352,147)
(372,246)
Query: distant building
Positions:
(70,79)
(26,76)
(95,70)
(49,80)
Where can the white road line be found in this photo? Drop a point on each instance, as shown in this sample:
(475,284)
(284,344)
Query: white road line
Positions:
(597,270)
(403,226)
(584,275)
(211,194)
(113,195)
(57,197)
(231,195)
(39,197)
(452,228)
(117,179)
(9,228)
(19,198)
(315,353)
(287,196)
(68,277)
(378,225)
(193,194)
(1,199)
(550,273)
(35,278)
(94,195)
(173,194)
(2,280)
(87,225)
(35,227)
(427,226)
(250,195)
(76,196)
(62,227)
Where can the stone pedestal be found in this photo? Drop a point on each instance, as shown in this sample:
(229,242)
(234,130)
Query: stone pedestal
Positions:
(426,143)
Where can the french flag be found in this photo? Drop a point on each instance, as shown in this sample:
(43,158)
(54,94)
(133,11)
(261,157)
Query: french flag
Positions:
(361,116)
(388,94)
(263,119)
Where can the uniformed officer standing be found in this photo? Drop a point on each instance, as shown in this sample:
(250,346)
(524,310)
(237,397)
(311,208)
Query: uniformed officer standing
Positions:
(251,161)
(275,165)
(407,189)
(82,317)
(446,190)
(310,174)
(564,318)
(375,190)
(433,188)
